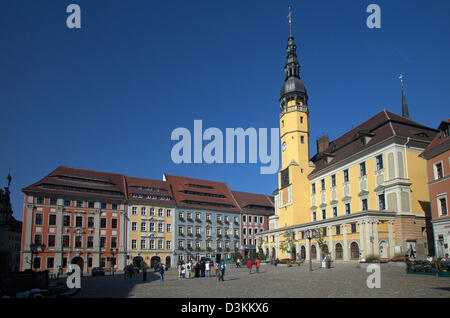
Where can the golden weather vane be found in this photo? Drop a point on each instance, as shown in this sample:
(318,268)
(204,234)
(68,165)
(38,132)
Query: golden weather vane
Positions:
(401,79)
(289,16)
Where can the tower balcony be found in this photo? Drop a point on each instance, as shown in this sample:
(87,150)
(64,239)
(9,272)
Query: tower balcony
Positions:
(293,108)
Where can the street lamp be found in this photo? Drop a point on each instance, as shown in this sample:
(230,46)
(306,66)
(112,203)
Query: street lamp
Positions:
(113,260)
(309,236)
(36,249)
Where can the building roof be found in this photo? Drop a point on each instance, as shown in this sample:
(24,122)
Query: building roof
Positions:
(440,139)
(148,190)
(203,194)
(254,203)
(81,182)
(380,127)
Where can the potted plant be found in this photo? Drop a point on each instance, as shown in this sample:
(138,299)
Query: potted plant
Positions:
(208,248)
(181,234)
(198,235)
(181,248)
(219,235)
(219,221)
(198,220)
(227,222)
(189,248)
(226,236)
(181,218)
(236,236)
(219,248)
(198,248)
(190,234)
(208,220)
(189,219)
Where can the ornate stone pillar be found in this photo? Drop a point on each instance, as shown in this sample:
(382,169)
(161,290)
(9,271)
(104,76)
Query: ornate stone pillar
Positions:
(368,244)
(96,253)
(345,246)
(308,249)
(391,239)
(376,243)
(361,238)
(330,241)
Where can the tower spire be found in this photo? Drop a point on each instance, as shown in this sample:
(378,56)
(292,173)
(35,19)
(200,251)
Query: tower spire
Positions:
(289,16)
(405,112)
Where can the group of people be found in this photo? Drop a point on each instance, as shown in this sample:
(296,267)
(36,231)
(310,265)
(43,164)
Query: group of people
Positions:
(200,269)
(131,269)
(250,264)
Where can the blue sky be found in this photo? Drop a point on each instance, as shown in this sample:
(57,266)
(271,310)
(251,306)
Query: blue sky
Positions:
(106,97)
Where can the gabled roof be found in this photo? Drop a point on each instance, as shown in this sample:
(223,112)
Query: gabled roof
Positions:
(440,138)
(148,190)
(383,125)
(254,203)
(81,182)
(203,194)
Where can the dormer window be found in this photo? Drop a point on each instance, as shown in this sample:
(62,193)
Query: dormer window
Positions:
(362,140)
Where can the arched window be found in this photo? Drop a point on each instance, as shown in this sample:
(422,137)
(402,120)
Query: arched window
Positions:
(313,252)
(303,252)
(339,252)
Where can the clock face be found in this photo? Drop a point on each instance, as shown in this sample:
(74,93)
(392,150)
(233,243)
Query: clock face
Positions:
(284,146)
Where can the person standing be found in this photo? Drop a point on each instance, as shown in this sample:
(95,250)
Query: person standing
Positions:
(179,269)
(217,269)
(238,263)
(222,270)
(257,264)
(207,268)
(183,270)
(249,265)
(144,273)
(161,271)
(197,269)
(202,269)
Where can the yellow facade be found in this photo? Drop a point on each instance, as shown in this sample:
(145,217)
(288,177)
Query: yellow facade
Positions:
(159,239)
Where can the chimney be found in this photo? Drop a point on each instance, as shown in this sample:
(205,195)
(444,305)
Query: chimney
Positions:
(322,144)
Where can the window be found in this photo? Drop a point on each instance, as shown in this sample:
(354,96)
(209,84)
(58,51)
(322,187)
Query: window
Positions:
(324,231)
(322,184)
(324,214)
(302,139)
(91,204)
(181,230)
(38,219)
(113,242)
(114,206)
(90,242)
(250,231)
(89,262)
(66,220)
(338,229)
(313,188)
(261,220)
(362,140)
(102,262)
(160,244)
(381,202)
(51,241)
(438,171)
(134,210)
(168,213)
(152,211)
(114,223)
(333,180)
(256,231)
(335,211)
(103,223)
(249,219)
(243,218)
(152,227)
(52,219)
(66,240)
(102,242)
(79,204)
(143,211)
(245,241)
(78,241)
(64,262)
(52,201)
(442,206)
(181,215)
(168,245)
(50,262)
(364,204)
(208,217)
(314,216)
(362,169)
(37,262)
(160,227)
(353,227)
(169,228)
(160,212)
(90,222)
(66,202)
(103,205)
(347,209)
(143,244)
(133,244)
(379,162)
(346,178)
(244,231)
(79,221)
(134,226)
(143,226)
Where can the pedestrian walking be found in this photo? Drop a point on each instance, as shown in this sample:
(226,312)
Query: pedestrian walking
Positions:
(188,269)
(161,271)
(238,263)
(183,270)
(144,273)
(207,268)
(222,267)
(216,266)
(202,269)
(257,264)
(249,265)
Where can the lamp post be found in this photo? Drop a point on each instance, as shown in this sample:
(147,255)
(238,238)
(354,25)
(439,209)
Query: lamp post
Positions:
(309,237)
(113,260)
(34,248)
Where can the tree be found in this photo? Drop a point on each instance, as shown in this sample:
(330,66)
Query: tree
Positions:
(318,235)
(288,244)
(236,255)
(260,254)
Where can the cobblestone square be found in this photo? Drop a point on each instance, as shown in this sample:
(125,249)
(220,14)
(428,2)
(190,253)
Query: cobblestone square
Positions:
(342,280)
